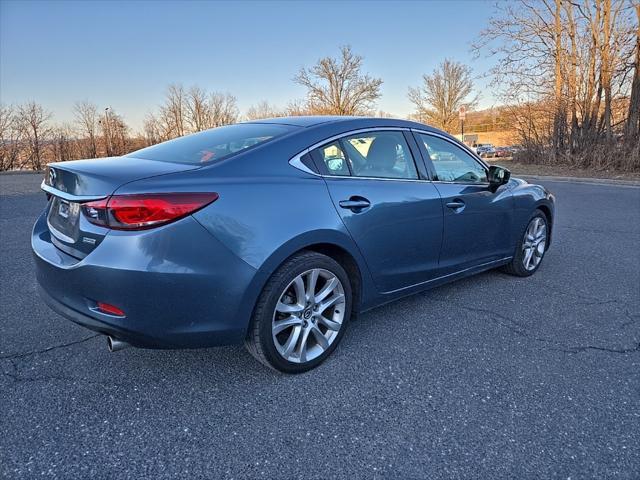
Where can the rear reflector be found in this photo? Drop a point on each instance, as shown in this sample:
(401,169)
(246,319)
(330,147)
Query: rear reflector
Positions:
(110,309)
(138,212)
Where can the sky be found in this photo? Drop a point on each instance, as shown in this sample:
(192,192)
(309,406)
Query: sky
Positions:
(124,54)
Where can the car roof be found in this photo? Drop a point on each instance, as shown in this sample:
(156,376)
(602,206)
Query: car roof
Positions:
(303,121)
(316,120)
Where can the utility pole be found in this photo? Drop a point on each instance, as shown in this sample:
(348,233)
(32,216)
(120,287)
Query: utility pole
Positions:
(107,132)
(462,112)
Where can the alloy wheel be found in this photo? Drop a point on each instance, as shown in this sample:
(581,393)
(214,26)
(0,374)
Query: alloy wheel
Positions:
(308,315)
(534,243)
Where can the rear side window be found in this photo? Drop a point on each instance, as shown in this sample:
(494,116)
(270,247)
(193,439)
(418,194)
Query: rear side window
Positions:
(334,159)
(380,154)
(212,145)
(372,154)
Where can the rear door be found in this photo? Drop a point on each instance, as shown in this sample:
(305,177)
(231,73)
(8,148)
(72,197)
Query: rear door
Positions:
(392,212)
(477,220)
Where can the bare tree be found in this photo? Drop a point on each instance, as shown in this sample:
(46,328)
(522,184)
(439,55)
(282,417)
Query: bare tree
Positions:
(114,132)
(197,109)
(63,143)
(632,129)
(263,110)
(191,111)
(33,123)
(152,128)
(560,114)
(297,108)
(86,117)
(223,109)
(173,112)
(9,138)
(337,86)
(442,93)
(568,62)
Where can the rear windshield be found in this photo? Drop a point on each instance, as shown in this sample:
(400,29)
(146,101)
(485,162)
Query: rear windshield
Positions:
(212,145)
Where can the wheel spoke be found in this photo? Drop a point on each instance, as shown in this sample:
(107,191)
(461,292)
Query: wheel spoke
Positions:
(330,324)
(302,351)
(289,307)
(292,341)
(281,325)
(320,338)
(338,297)
(298,286)
(527,257)
(312,280)
(327,289)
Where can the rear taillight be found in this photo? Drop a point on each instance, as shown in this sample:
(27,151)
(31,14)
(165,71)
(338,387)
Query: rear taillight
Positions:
(137,212)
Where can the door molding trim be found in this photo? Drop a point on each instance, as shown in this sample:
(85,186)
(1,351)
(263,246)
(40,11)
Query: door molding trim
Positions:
(458,272)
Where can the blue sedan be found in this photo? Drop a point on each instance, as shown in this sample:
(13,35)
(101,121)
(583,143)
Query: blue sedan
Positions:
(276,232)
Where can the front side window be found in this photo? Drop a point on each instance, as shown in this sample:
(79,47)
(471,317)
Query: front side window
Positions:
(380,154)
(452,163)
(212,145)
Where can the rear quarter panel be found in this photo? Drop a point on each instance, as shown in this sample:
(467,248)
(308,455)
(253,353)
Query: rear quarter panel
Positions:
(266,220)
(267,211)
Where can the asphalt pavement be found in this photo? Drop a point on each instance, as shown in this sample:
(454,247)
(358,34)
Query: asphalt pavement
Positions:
(489,377)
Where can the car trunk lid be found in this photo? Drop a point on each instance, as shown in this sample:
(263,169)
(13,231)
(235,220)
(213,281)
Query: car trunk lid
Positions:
(70,184)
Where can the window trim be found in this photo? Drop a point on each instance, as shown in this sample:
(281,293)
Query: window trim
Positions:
(296,160)
(463,147)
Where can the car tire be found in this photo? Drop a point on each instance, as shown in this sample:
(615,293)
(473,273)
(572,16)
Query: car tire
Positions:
(281,292)
(519,265)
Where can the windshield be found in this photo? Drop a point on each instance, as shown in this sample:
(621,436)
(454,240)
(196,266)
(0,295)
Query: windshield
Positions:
(212,145)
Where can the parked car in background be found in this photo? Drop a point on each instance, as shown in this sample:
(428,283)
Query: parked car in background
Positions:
(502,152)
(481,146)
(486,151)
(274,232)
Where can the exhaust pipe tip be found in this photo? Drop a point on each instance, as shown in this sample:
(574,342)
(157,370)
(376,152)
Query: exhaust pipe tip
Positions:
(115,345)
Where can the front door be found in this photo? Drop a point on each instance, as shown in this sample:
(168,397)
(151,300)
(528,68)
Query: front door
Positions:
(394,217)
(477,220)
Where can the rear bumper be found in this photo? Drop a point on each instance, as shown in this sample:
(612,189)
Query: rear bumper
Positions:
(106,328)
(178,286)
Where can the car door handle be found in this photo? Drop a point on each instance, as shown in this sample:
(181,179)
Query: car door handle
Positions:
(456,204)
(355,203)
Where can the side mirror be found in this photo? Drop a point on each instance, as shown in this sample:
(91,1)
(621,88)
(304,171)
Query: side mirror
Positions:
(498,176)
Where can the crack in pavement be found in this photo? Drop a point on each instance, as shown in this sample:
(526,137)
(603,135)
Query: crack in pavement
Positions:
(556,289)
(605,349)
(522,331)
(591,230)
(493,316)
(622,305)
(49,349)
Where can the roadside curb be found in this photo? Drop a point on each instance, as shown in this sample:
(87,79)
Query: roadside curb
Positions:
(22,172)
(586,180)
